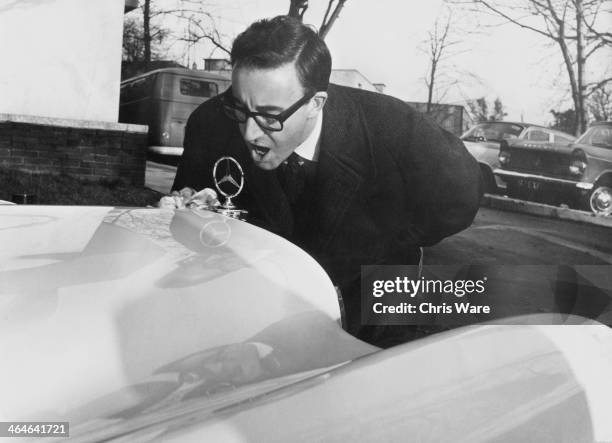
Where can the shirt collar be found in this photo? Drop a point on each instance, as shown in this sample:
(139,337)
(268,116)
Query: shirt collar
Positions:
(309,149)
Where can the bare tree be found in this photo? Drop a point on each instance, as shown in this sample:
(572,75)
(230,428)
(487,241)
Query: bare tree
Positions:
(194,24)
(152,33)
(142,37)
(437,47)
(134,40)
(575,26)
(297,8)
(146,18)
(199,25)
(133,49)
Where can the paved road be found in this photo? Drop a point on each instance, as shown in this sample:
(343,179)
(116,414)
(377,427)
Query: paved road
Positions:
(501,237)
(534,264)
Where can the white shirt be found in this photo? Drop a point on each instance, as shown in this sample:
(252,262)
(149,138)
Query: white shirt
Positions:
(309,149)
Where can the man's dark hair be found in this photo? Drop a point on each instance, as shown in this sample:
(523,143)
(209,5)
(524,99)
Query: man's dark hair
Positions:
(270,43)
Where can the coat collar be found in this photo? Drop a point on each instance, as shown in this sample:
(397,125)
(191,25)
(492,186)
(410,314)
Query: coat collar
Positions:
(345,161)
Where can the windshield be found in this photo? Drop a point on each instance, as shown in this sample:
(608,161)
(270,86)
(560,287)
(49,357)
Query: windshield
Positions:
(495,132)
(597,136)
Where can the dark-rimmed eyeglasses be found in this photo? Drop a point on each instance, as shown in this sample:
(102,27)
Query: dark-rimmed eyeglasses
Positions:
(269,122)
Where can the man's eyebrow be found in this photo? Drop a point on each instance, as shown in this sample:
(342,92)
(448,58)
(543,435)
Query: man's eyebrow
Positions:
(269,108)
(263,108)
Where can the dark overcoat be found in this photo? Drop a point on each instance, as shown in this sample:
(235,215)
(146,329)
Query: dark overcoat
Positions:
(388,181)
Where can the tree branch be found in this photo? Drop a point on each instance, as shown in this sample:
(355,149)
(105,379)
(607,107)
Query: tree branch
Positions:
(505,16)
(297,8)
(596,85)
(326,26)
(329,6)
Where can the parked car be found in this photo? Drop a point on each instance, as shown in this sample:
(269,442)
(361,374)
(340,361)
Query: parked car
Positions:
(138,325)
(483,140)
(579,174)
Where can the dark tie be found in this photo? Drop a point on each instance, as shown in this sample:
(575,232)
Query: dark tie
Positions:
(292,176)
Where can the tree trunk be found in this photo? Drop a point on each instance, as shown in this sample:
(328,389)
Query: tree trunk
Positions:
(325,27)
(570,73)
(580,62)
(297,8)
(432,78)
(146,19)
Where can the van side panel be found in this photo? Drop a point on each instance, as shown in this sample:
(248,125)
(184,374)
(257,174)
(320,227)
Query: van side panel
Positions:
(135,100)
(174,96)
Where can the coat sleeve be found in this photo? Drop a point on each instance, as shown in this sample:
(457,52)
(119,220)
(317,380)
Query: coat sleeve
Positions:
(193,168)
(444,180)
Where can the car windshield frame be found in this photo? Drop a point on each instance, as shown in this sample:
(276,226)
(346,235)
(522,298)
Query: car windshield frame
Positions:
(501,128)
(586,138)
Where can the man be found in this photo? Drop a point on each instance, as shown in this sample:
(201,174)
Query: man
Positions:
(377,180)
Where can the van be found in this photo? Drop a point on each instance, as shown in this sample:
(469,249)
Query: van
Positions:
(163,99)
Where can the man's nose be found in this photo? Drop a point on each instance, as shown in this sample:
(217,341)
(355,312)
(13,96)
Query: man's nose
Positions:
(251,129)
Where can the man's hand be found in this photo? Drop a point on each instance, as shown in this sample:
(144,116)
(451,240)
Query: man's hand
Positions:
(188,197)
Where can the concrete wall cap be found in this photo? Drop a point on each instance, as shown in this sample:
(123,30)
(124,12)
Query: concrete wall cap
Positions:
(69,123)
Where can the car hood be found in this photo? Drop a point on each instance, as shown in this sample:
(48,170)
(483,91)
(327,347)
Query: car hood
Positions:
(461,381)
(483,151)
(601,152)
(94,299)
(149,324)
(556,148)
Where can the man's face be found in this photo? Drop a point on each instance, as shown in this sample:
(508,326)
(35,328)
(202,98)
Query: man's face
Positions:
(272,91)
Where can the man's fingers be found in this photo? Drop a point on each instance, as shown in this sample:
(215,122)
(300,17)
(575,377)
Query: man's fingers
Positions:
(187,193)
(188,196)
(206,197)
(171,202)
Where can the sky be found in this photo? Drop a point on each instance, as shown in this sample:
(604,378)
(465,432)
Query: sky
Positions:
(384,40)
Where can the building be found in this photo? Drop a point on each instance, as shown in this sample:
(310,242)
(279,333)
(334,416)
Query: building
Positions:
(130,5)
(345,77)
(453,118)
(354,79)
(60,92)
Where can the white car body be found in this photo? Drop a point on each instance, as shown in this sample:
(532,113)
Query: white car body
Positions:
(164,325)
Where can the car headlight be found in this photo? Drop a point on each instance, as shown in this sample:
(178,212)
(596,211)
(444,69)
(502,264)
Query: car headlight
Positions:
(577,167)
(578,163)
(504,157)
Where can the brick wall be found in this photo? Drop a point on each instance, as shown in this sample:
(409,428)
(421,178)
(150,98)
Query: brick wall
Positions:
(86,150)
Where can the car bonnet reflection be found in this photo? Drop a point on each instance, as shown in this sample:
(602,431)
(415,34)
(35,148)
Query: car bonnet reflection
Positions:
(102,299)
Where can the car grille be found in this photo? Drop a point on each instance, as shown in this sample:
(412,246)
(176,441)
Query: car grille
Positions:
(540,162)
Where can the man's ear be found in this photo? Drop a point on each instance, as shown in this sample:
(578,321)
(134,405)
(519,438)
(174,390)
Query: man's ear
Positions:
(317,102)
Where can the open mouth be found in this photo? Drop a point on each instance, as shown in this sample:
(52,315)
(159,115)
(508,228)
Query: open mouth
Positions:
(260,150)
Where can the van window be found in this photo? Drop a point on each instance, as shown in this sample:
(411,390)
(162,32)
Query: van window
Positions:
(137,90)
(198,88)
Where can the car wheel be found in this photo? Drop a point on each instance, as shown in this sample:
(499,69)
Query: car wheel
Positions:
(600,200)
